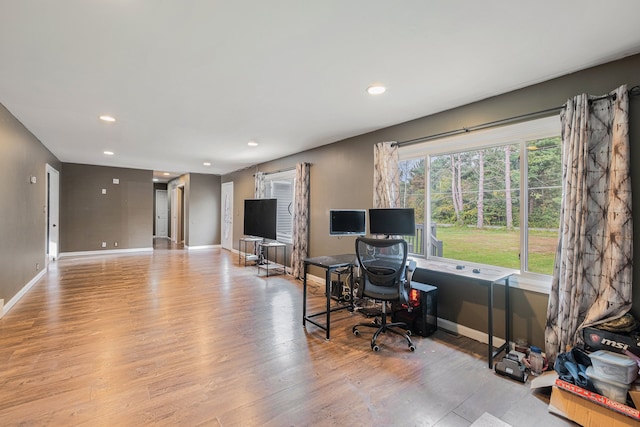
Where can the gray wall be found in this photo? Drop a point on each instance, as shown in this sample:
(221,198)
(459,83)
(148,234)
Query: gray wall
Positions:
(22,214)
(204,210)
(201,208)
(123,215)
(342,177)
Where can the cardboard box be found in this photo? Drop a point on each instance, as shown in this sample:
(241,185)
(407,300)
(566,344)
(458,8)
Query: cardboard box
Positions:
(590,409)
(597,339)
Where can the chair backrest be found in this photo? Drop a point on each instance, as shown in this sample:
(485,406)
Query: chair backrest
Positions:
(382,262)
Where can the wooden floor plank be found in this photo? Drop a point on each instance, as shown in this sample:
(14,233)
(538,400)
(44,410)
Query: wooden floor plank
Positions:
(177,337)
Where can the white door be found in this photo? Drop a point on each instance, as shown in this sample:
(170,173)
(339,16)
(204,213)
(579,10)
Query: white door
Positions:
(53,212)
(227,216)
(162,214)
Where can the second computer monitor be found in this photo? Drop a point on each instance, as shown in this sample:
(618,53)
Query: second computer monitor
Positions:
(392,221)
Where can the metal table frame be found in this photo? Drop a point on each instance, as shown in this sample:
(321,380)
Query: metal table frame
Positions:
(265,247)
(486,276)
(330,264)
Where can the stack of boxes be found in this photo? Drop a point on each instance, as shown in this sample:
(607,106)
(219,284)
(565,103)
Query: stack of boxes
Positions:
(612,374)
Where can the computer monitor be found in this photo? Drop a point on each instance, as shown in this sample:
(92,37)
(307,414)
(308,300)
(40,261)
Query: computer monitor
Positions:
(347,222)
(392,221)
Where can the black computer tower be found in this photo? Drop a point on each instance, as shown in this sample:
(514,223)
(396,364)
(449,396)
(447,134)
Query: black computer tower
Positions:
(423,319)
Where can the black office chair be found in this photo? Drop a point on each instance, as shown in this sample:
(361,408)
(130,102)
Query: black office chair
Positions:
(382,263)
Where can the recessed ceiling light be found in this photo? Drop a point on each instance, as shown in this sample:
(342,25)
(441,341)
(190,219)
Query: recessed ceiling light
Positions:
(166,174)
(252,144)
(376,89)
(207,163)
(105,118)
(155,179)
(108,153)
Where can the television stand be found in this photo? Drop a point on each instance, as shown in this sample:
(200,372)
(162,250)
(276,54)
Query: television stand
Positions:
(264,248)
(247,256)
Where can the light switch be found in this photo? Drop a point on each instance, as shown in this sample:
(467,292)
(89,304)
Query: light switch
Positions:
(104,191)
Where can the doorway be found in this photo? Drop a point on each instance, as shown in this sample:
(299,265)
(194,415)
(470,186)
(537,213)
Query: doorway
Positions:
(177,215)
(162,214)
(53,213)
(227,216)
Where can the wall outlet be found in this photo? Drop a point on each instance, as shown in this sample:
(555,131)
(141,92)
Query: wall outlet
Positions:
(37,266)
(104,244)
(104,191)
(115,244)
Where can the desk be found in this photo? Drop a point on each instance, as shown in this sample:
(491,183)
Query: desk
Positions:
(330,264)
(264,248)
(487,276)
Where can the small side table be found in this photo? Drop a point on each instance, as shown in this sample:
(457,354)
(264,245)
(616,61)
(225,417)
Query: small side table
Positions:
(265,248)
(242,249)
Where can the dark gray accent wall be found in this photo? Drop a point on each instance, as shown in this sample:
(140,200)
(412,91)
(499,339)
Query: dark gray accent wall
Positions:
(22,211)
(124,215)
(342,177)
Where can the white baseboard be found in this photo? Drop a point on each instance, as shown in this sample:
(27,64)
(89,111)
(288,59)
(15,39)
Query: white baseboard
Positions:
(105,252)
(4,308)
(191,248)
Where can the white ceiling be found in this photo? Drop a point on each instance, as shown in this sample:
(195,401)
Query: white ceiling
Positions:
(191,81)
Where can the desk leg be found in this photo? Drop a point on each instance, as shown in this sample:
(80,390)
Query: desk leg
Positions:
(507,314)
(490,326)
(327,281)
(351,282)
(304,295)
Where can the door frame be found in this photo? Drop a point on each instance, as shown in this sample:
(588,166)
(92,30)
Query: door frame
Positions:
(226,215)
(166,205)
(178,224)
(52,205)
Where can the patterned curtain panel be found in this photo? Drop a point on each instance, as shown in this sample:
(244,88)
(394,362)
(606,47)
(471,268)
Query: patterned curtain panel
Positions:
(386,175)
(300,247)
(258,191)
(592,276)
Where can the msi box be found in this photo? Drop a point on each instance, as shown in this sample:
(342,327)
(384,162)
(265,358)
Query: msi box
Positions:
(597,339)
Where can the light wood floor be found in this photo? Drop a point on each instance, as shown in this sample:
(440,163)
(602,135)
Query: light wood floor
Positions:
(179,337)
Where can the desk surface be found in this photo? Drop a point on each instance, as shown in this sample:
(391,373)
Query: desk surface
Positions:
(332,261)
(485,274)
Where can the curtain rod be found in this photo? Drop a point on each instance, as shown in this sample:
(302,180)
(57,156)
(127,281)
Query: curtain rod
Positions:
(278,171)
(538,114)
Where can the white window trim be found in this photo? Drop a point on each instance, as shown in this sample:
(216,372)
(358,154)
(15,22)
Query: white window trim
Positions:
(289,176)
(509,134)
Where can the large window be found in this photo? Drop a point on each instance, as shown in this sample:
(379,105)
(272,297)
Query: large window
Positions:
(281,186)
(474,209)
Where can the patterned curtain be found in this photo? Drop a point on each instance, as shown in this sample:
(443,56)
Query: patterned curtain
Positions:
(592,277)
(386,175)
(300,247)
(258,191)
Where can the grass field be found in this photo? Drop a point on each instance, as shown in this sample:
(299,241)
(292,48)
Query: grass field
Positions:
(498,246)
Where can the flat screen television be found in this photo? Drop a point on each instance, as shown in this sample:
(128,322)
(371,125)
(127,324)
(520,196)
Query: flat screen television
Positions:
(347,222)
(260,218)
(392,221)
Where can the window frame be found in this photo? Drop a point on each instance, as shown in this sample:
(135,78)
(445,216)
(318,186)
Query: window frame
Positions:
(518,133)
(289,177)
